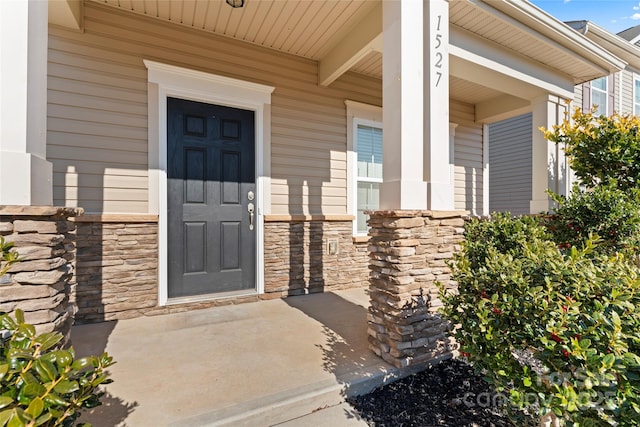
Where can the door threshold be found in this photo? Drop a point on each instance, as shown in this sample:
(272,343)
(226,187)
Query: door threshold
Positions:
(210,297)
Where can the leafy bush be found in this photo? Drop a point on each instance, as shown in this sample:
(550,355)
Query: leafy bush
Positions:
(7,256)
(601,149)
(41,384)
(553,330)
(607,212)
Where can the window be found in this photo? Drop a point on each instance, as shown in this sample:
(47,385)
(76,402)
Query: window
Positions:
(368,146)
(599,95)
(636,95)
(364,162)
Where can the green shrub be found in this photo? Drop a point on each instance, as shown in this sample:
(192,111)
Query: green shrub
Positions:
(553,330)
(42,384)
(7,256)
(503,233)
(601,149)
(607,212)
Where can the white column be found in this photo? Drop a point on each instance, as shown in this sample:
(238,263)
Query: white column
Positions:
(25,174)
(437,155)
(550,169)
(403,106)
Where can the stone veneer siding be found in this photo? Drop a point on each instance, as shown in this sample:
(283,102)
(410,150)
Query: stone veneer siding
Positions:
(297,259)
(117,264)
(408,251)
(117,267)
(41,283)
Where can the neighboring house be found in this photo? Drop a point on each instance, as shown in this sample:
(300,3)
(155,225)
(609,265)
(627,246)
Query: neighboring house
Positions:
(619,92)
(510,152)
(231,152)
(631,78)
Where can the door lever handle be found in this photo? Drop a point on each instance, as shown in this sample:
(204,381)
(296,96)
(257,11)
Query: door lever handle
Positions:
(250,209)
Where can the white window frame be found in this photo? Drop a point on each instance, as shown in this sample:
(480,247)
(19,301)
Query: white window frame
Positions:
(366,115)
(636,107)
(606,95)
(166,81)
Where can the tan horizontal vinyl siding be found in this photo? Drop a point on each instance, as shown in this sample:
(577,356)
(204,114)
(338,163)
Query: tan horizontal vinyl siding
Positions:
(577,97)
(627,93)
(97,135)
(468,169)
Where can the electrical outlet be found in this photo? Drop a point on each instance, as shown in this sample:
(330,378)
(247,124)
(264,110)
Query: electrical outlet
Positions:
(332,246)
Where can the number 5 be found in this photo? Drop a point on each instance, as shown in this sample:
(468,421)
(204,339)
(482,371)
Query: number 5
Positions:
(438,40)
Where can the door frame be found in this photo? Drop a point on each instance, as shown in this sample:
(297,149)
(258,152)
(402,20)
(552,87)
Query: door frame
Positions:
(166,81)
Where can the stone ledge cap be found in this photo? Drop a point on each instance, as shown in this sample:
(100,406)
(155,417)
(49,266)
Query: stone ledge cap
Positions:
(449,214)
(392,213)
(13,210)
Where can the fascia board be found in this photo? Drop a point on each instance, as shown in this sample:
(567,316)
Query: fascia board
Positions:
(535,18)
(619,46)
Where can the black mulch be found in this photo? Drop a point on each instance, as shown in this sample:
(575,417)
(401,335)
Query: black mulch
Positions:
(448,394)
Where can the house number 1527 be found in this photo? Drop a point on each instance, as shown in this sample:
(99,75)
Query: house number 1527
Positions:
(439,55)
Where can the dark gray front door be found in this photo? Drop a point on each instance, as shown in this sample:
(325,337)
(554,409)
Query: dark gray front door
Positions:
(210,184)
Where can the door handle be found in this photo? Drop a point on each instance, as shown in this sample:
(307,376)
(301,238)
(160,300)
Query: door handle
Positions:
(250,209)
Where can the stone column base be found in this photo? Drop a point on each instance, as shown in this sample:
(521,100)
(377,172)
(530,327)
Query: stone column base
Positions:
(41,283)
(408,253)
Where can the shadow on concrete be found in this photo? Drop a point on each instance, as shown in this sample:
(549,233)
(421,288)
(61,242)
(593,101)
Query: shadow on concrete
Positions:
(92,340)
(113,411)
(345,352)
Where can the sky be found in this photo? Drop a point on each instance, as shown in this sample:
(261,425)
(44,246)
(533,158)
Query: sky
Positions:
(612,15)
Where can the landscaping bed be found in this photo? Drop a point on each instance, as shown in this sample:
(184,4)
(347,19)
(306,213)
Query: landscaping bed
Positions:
(447,394)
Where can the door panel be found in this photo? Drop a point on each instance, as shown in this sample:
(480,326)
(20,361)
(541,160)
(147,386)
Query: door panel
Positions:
(210,171)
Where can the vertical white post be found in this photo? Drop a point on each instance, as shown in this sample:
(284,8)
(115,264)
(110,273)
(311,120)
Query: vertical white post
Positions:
(403,102)
(25,174)
(485,170)
(437,158)
(549,165)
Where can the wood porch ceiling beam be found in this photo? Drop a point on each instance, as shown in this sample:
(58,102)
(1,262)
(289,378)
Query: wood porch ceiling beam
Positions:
(363,39)
(66,13)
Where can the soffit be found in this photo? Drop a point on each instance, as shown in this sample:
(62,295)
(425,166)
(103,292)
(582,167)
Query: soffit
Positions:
(472,93)
(307,28)
(313,28)
(371,65)
(479,19)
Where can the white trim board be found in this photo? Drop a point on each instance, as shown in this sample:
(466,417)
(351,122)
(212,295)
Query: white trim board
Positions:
(170,81)
(368,115)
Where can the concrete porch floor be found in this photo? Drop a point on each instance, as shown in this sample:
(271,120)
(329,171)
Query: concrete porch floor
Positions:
(254,364)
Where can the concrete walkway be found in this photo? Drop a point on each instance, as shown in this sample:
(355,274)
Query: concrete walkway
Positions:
(286,362)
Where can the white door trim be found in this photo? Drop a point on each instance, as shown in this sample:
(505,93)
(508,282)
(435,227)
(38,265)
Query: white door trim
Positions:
(170,81)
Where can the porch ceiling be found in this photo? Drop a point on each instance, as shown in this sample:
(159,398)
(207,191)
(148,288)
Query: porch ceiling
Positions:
(305,28)
(345,34)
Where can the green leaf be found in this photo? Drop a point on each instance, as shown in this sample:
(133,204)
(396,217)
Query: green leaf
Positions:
(66,387)
(45,369)
(615,319)
(64,358)
(35,408)
(16,420)
(6,322)
(48,340)
(19,314)
(527,382)
(44,418)
(102,379)
(4,368)
(4,417)
(27,329)
(55,399)
(608,361)
(82,363)
(33,390)
(5,401)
